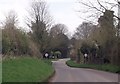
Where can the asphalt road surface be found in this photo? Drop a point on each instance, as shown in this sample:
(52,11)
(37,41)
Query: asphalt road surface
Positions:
(67,74)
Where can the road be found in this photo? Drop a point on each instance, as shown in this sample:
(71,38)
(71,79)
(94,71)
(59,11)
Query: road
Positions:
(68,74)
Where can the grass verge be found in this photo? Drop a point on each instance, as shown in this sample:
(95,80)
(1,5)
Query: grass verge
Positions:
(0,72)
(26,70)
(49,61)
(104,67)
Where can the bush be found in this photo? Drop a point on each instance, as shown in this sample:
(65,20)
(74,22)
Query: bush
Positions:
(16,42)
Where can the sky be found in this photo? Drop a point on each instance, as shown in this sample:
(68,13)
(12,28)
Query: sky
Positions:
(62,11)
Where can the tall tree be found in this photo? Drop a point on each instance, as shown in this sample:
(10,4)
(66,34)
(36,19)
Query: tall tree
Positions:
(40,22)
(59,28)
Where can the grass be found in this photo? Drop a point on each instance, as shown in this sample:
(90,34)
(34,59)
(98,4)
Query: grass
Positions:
(0,72)
(26,70)
(48,61)
(104,67)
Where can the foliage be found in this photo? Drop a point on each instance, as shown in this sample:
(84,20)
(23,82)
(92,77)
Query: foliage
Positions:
(102,41)
(85,48)
(14,41)
(58,52)
(107,33)
(34,49)
(105,36)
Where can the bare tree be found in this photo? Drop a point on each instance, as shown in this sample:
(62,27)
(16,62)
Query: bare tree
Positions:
(84,30)
(11,20)
(59,28)
(58,38)
(96,8)
(40,22)
(55,32)
(39,13)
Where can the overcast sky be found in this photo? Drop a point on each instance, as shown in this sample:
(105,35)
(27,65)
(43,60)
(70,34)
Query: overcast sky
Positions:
(62,11)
